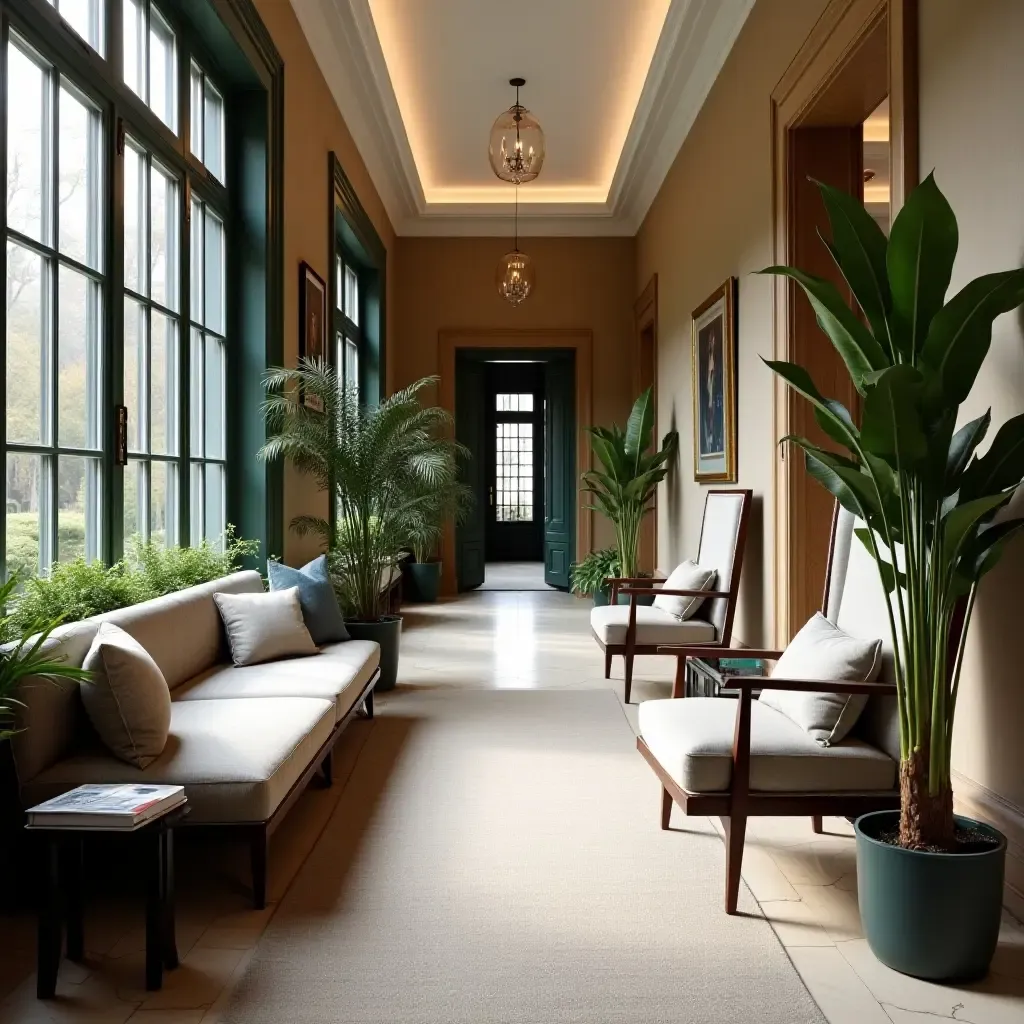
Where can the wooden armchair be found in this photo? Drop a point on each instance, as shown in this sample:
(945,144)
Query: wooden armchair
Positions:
(639,629)
(735,759)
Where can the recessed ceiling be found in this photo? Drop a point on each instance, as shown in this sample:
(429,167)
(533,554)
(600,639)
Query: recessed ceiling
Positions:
(616,85)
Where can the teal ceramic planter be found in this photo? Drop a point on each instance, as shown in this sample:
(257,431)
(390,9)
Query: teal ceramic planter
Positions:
(425,580)
(931,915)
(388,634)
(603,597)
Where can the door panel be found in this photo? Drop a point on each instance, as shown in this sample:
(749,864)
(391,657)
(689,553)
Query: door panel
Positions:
(560,470)
(470,429)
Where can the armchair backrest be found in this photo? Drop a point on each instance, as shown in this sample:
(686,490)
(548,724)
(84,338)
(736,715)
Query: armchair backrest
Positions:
(723,536)
(856,602)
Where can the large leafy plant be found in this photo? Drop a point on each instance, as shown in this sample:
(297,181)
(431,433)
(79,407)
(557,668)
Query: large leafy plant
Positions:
(930,502)
(589,576)
(392,470)
(625,485)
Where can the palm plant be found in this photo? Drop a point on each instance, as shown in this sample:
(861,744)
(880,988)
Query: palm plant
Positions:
(930,503)
(390,469)
(625,485)
(28,654)
(450,503)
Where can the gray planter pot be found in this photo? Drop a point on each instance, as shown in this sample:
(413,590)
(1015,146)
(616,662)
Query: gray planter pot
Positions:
(930,915)
(388,633)
(603,597)
(425,580)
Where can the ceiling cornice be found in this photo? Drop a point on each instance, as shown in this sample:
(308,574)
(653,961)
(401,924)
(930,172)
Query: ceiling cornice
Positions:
(694,43)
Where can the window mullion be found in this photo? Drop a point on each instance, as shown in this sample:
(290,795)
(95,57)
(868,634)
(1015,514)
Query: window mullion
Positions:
(4,40)
(184,346)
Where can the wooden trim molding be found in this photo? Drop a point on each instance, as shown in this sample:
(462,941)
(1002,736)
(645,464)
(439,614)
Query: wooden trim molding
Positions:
(449,340)
(645,375)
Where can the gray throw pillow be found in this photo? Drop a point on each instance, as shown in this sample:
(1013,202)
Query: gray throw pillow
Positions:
(264,627)
(822,650)
(319,603)
(127,699)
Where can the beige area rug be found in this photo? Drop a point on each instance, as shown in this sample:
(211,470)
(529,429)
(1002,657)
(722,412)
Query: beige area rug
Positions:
(496,857)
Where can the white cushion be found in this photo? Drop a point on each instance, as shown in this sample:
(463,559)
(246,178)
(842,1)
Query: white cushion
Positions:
(653,626)
(823,651)
(264,627)
(692,740)
(686,576)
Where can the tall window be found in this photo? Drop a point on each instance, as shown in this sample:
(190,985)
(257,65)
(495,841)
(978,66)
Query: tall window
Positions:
(348,335)
(93,320)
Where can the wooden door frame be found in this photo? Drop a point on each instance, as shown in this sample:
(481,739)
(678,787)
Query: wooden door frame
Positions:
(831,45)
(645,317)
(581,340)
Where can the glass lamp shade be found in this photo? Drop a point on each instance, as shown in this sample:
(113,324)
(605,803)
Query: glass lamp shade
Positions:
(516,146)
(514,276)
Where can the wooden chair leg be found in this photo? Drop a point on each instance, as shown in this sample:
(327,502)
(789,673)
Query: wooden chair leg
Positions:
(259,848)
(327,769)
(735,832)
(607,664)
(628,658)
(816,825)
(666,808)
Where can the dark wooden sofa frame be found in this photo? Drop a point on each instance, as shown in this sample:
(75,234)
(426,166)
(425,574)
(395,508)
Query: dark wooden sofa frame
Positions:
(637,586)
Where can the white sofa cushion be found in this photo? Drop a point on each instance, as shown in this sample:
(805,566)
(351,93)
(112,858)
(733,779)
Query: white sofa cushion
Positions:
(822,650)
(339,675)
(653,626)
(264,627)
(686,576)
(692,740)
(237,759)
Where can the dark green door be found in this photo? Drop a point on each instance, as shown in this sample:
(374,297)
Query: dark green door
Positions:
(470,429)
(560,469)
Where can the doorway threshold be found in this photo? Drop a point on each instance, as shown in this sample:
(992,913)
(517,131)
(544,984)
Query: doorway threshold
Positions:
(514,576)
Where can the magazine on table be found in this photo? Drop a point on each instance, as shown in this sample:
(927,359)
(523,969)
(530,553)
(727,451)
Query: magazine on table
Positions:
(106,806)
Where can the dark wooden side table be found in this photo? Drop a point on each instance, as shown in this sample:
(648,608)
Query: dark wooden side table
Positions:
(705,678)
(61,900)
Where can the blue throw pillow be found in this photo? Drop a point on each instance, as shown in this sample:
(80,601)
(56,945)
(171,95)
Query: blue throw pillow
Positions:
(317,599)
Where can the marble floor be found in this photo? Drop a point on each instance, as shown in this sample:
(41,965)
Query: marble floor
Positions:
(805,884)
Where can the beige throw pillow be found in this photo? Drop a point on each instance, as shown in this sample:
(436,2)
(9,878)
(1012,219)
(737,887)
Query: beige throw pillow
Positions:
(687,576)
(823,651)
(264,627)
(127,699)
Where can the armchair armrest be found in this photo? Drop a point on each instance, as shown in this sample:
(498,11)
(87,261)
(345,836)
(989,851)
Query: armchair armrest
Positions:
(747,683)
(713,651)
(630,580)
(640,591)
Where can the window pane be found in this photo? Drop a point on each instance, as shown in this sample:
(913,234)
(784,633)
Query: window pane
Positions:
(214,398)
(351,365)
(163,71)
(197,225)
(163,237)
(135,373)
(339,283)
(163,385)
(135,46)
(163,503)
(81,180)
(134,499)
(197,503)
(28,191)
(213,131)
(28,346)
(195,393)
(136,210)
(214,525)
(78,360)
(214,277)
(351,295)
(78,508)
(196,140)
(86,18)
(25,502)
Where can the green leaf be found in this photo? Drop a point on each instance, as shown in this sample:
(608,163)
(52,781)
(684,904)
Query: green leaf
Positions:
(891,426)
(922,246)
(961,332)
(852,340)
(841,477)
(858,246)
(639,427)
(981,554)
(958,524)
(962,447)
(1002,466)
(832,417)
(891,576)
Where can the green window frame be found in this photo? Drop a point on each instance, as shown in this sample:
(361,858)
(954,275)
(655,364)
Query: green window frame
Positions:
(176,165)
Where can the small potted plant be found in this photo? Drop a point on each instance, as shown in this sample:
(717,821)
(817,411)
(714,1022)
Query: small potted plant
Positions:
(589,578)
(390,468)
(929,881)
(450,502)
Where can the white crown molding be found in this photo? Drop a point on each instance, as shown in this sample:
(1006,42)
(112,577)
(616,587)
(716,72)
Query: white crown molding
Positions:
(694,43)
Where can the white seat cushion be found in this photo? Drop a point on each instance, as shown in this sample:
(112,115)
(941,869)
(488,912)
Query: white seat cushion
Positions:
(692,740)
(237,759)
(653,626)
(339,675)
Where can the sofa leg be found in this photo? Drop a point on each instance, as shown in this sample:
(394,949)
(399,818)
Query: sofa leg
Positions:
(259,849)
(327,768)
(816,825)
(666,808)
(628,658)
(735,832)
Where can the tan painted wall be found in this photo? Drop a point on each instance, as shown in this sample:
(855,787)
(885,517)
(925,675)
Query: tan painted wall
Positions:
(581,282)
(972,79)
(313,127)
(712,219)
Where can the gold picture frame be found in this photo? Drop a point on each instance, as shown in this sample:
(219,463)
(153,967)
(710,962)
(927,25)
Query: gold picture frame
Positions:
(713,369)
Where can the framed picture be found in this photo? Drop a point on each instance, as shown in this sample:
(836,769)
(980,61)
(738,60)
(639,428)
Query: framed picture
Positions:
(312,320)
(713,362)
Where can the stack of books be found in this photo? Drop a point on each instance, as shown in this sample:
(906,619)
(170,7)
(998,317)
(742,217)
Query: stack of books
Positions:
(741,666)
(113,807)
